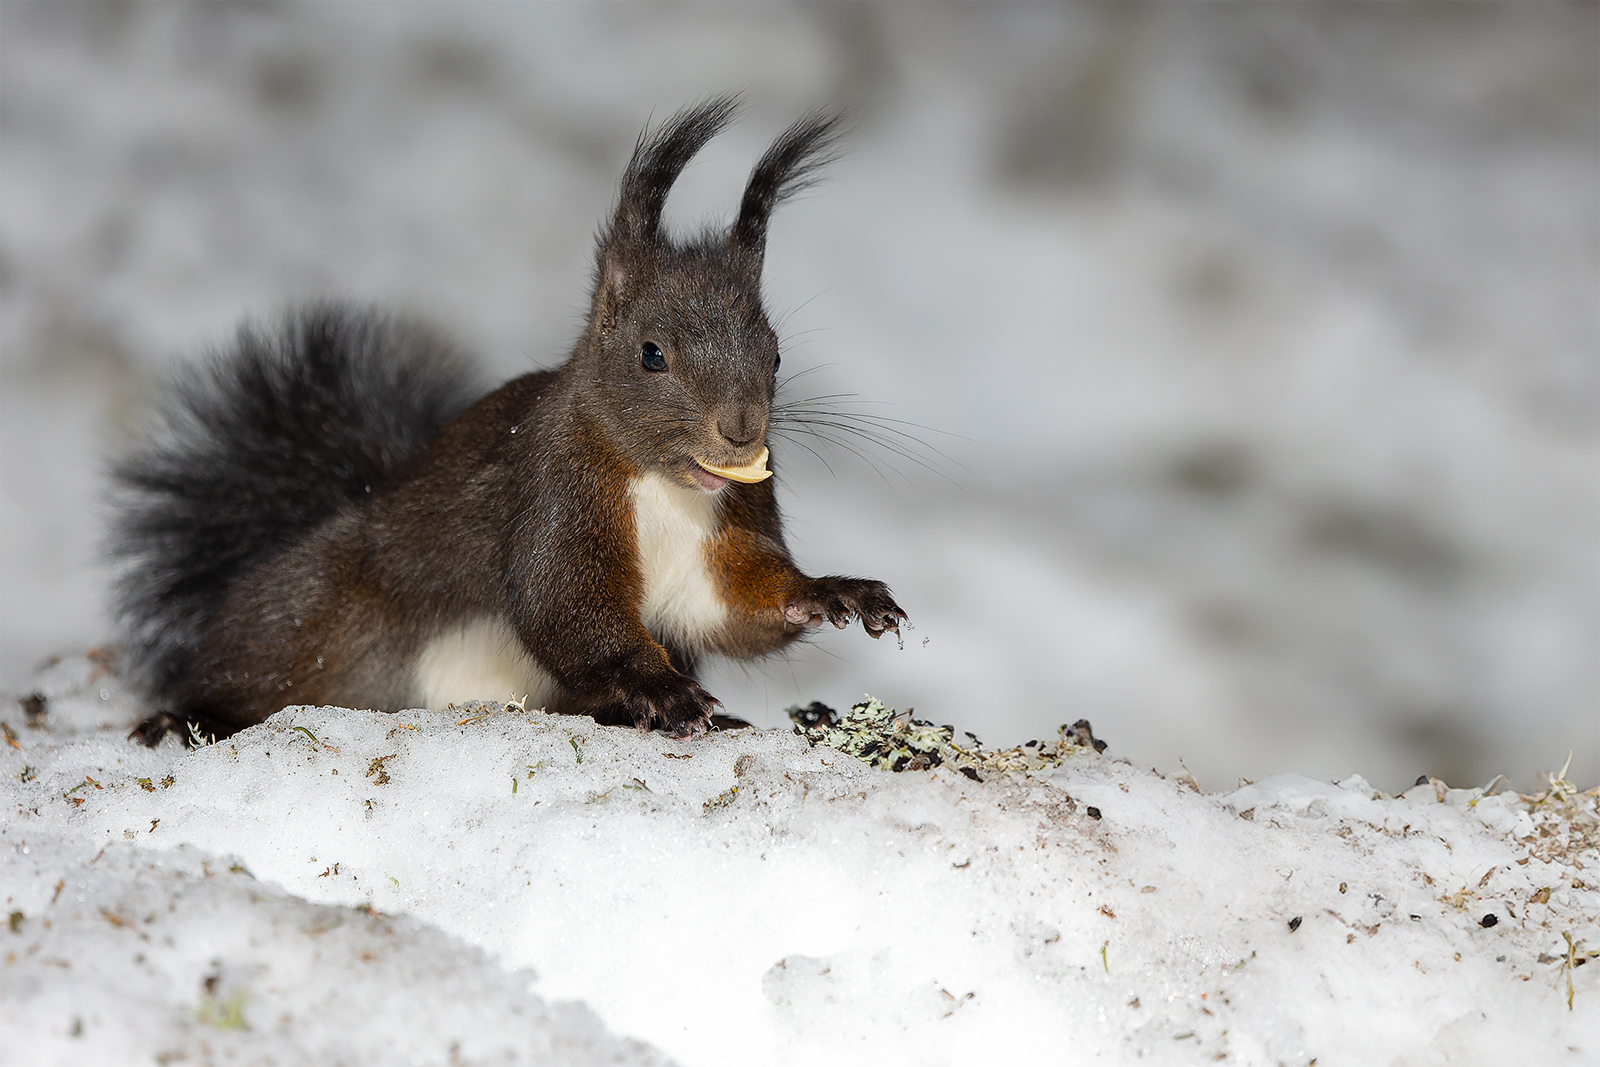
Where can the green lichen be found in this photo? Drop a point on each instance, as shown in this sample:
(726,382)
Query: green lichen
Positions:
(883,737)
(224,1014)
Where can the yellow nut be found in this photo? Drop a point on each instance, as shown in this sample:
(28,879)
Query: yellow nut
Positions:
(755,472)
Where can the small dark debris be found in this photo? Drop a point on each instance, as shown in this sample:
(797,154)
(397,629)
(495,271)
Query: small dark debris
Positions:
(1421,779)
(376,772)
(970,773)
(16,922)
(35,706)
(1294,924)
(1092,811)
(1216,469)
(1489,920)
(1083,734)
(813,715)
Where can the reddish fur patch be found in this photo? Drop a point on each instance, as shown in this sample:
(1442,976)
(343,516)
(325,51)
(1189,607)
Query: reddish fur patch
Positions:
(756,579)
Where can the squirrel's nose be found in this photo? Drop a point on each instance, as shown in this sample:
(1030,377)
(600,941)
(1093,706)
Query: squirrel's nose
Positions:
(739,429)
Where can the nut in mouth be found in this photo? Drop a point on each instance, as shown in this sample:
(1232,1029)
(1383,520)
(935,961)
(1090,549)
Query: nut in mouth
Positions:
(755,471)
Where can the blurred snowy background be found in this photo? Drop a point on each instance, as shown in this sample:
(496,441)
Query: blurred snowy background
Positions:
(1263,341)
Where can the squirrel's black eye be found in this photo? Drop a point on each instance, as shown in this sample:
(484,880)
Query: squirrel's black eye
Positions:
(777,361)
(650,355)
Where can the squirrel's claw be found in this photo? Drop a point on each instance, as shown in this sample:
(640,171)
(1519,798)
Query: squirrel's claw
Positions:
(838,600)
(150,731)
(677,704)
(190,729)
(878,625)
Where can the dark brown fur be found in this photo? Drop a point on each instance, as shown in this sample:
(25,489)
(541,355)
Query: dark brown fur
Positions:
(519,508)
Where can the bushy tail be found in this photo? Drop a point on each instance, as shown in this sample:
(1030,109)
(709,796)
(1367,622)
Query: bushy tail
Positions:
(254,448)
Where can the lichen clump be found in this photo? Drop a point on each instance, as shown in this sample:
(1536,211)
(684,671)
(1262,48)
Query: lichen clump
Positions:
(884,737)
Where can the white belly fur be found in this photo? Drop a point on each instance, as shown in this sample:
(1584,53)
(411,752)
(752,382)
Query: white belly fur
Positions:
(483,659)
(673,523)
(479,660)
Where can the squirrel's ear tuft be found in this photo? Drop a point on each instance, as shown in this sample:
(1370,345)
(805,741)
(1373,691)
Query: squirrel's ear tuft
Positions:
(657,161)
(793,163)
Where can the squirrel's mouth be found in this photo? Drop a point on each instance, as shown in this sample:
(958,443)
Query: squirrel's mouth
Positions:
(755,471)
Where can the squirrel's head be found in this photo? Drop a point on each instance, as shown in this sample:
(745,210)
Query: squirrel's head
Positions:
(680,357)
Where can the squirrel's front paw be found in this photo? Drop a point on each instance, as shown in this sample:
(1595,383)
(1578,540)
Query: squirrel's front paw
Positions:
(676,703)
(838,599)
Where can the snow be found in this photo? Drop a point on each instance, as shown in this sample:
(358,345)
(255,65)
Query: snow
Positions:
(176,956)
(488,885)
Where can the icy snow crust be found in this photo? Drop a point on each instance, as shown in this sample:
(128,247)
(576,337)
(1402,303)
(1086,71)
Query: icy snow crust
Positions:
(360,887)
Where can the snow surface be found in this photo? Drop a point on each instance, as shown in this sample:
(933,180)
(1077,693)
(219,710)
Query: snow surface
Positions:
(1263,336)
(339,886)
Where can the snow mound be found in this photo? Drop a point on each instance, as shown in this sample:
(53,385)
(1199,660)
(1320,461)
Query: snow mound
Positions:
(749,898)
(178,957)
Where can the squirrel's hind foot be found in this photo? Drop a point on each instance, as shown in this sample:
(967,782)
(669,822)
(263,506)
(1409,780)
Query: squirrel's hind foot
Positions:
(194,731)
(150,731)
(677,704)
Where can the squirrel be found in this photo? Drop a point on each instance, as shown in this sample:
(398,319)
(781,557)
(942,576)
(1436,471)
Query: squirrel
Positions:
(330,518)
